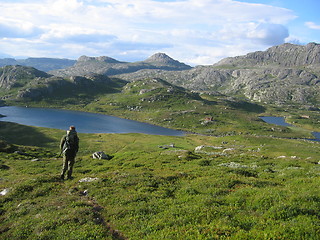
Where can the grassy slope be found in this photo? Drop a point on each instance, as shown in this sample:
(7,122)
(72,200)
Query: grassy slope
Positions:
(260,187)
(253,187)
(166,105)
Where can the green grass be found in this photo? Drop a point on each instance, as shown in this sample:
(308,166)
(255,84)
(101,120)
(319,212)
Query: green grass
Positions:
(258,188)
(250,180)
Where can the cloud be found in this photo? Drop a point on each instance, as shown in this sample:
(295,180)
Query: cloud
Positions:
(312,25)
(269,34)
(193,31)
(84,38)
(132,46)
(19,30)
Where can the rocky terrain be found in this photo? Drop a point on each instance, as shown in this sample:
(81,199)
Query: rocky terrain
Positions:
(285,55)
(284,74)
(20,82)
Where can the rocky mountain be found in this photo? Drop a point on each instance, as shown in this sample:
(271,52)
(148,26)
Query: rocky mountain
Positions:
(43,64)
(282,74)
(20,82)
(286,55)
(109,66)
(18,76)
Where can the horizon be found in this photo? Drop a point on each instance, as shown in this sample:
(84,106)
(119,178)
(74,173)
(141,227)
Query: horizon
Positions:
(196,32)
(76,59)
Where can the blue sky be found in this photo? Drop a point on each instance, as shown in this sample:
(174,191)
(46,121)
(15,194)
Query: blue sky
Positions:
(196,32)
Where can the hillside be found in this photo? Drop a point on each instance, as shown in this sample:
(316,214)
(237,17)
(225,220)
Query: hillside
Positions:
(20,83)
(151,100)
(282,75)
(285,55)
(109,66)
(285,74)
(231,176)
(233,187)
(18,76)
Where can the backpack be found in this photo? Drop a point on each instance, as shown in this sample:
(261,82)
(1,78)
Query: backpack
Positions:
(70,142)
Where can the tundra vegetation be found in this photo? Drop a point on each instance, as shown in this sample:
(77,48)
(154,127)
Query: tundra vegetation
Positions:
(232,176)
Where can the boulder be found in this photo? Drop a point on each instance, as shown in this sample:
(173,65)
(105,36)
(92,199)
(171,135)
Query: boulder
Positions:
(101,155)
(4,192)
(88,179)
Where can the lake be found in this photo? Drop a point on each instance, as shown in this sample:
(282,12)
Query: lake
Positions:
(84,122)
(281,122)
(276,120)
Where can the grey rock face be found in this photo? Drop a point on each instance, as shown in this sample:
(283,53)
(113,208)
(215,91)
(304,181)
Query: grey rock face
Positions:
(17,76)
(282,74)
(20,82)
(285,55)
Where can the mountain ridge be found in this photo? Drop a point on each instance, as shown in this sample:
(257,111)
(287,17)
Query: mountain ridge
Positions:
(109,66)
(285,55)
(283,74)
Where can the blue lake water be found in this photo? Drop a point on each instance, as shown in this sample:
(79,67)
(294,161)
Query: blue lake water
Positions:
(281,122)
(84,122)
(276,120)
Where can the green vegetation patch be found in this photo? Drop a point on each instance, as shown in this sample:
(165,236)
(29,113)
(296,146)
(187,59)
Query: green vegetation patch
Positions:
(236,178)
(162,187)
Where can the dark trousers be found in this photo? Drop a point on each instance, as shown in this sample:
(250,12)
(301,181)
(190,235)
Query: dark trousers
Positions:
(68,162)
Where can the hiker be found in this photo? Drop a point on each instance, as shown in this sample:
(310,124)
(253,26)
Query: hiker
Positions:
(69,146)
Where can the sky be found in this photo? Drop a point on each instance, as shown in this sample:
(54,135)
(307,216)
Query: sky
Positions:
(196,32)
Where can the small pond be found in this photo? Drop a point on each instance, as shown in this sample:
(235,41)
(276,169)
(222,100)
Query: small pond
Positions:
(280,121)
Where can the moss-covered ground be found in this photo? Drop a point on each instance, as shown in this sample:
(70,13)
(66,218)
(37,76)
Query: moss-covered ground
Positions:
(235,177)
(159,187)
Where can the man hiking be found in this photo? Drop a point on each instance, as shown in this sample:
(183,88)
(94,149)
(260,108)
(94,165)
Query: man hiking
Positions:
(69,146)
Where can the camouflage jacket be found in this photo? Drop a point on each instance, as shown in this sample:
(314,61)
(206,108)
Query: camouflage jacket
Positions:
(69,142)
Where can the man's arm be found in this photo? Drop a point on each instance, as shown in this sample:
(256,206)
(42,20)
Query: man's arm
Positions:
(77,143)
(62,141)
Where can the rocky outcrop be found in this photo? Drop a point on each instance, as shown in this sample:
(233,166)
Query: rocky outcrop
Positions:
(19,82)
(161,59)
(18,76)
(285,55)
(104,59)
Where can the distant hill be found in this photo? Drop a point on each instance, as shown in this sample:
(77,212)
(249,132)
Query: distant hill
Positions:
(109,66)
(27,83)
(285,55)
(43,64)
(18,76)
(282,74)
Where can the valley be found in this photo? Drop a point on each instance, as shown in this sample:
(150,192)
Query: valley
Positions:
(232,176)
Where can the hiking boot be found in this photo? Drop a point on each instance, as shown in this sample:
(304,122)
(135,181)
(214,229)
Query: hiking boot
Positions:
(62,177)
